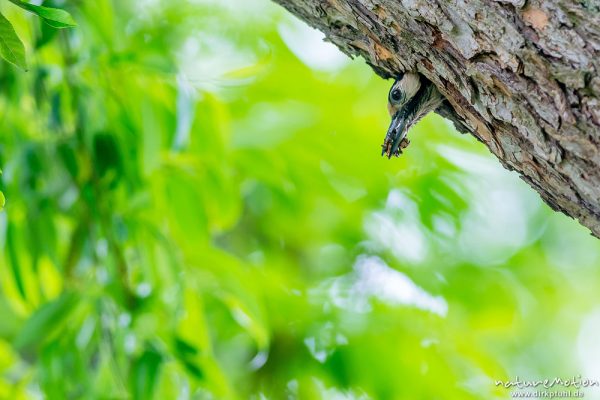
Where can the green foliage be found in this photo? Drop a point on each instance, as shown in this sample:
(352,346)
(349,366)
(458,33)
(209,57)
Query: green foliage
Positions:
(197,208)
(11,47)
(54,17)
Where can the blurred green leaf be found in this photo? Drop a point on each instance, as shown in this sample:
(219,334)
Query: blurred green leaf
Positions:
(145,371)
(14,258)
(11,321)
(108,161)
(46,322)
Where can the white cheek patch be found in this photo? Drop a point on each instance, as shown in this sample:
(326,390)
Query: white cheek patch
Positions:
(409,85)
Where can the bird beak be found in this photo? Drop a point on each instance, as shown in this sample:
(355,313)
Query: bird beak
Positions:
(395,134)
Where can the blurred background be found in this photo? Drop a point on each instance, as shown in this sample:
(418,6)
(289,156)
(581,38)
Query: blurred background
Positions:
(196,208)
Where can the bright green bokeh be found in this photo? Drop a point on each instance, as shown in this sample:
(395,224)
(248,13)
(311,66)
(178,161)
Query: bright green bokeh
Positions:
(196,208)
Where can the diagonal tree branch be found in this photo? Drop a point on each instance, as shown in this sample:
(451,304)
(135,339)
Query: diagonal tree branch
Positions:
(521,76)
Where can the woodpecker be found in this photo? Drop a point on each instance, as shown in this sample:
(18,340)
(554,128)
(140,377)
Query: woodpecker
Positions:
(410,99)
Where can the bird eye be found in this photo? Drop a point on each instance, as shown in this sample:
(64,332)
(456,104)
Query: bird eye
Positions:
(396,95)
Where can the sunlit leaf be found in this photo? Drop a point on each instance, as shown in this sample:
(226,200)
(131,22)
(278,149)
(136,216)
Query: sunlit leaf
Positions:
(11,47)
(249,71)
(11,321)
(14,258)
(54,17)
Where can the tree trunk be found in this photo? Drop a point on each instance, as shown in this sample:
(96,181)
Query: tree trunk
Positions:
(521,76)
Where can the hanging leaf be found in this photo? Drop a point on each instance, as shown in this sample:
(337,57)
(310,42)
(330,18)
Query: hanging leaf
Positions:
(14,258)
(2,198)
(54,17)
(46,321)
(11,47)
(146,370)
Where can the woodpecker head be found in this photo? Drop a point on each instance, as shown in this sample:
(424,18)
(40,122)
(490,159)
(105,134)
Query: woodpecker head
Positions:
(411,97)
(403,89)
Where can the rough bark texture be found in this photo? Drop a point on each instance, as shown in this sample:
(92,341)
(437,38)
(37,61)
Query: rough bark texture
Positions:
(520,75)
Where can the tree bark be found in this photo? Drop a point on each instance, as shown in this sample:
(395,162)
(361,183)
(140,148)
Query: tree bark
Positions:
(519,75)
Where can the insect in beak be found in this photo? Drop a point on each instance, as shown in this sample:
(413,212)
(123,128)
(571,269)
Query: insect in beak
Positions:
(395,139)
(409,100)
